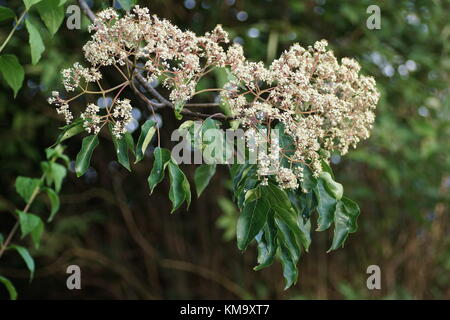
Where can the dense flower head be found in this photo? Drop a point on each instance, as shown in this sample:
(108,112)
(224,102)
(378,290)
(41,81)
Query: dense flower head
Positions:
(321,103)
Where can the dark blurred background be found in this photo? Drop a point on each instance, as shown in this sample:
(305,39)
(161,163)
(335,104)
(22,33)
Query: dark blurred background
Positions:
(129,246)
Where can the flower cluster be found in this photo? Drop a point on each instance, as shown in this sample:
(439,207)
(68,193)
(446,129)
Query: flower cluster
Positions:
(179,56)
(144,44)
(322,105)
(62,107)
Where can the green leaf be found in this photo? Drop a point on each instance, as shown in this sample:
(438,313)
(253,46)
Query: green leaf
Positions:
(202,177)
(56,153)
(347,211)
(148,130)
(26,257)
(28,222)
(1,239)
(267,244)
(12,71)
(290,271)
(121,145)
(54,203)
(30,3)
(54,174)
(6,13)
(162,158)
(251,221)
(287,237)
(334,188)
(127,4)
(36,234)
(9,286)
(36,44)
(25,187)
(84,156)
(285,212)
(326,205)
(179,187)
(70,130)
(52,13)
(326,168)
(305,227)
(178,107)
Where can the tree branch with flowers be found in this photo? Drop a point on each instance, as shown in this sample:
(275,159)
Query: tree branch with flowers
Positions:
(317,104)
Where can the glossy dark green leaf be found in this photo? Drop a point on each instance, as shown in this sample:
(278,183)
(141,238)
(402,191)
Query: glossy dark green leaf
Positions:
(54,203)
(267,243)
(326,168)
(334,188)
(161,159)
(12,71)
(25,187)
(70,130)
(289,264)
(36,44)
(202,177)
(27,258)
(285,212)
(121,145)
(288,238)
(84,156)
(148,130)
(6,13)
(309,182)
(179,187)
(9,287)
(326,206)
(347,212)
(251,221)
(52,13)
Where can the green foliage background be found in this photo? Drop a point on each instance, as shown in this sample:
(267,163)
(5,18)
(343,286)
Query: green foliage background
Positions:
(129,246)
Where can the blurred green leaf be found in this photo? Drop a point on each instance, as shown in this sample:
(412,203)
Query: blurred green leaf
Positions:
(28,222)
(12,72)
(52,13)
(36,44)
(25,187)
(6,13)
(54,203)
(29,261)
(30,3)
(9,286)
